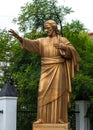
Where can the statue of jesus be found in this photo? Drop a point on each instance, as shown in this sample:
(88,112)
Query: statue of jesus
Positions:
(59,61)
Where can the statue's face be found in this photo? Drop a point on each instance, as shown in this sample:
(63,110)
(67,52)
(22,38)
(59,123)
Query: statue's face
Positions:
(49,30)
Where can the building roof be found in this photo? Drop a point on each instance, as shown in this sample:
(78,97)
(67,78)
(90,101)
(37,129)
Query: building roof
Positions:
(8,90)
(90,34)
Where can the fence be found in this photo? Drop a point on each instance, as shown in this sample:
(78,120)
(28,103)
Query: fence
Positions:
(25,119)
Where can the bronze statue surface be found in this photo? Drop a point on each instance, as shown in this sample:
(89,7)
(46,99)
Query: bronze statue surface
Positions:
(59,61)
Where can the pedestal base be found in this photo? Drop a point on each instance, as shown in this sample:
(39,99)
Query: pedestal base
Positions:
(51,126)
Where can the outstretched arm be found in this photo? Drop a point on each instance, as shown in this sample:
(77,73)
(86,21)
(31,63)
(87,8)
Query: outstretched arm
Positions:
(13,33)
(30,45)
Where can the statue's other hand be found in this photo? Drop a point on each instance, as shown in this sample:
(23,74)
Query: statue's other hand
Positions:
(56,45)
(60,46)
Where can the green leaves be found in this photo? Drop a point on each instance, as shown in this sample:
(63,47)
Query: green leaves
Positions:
(34,14)
(82,86)
(78,36)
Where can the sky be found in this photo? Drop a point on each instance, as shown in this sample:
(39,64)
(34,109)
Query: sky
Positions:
(83,9)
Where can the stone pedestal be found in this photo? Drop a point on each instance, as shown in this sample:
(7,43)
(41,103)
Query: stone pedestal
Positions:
(51,126)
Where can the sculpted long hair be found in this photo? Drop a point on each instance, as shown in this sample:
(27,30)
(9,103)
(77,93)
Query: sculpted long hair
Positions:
(53,25)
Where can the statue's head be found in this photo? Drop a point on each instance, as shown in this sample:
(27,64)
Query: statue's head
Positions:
(53,24)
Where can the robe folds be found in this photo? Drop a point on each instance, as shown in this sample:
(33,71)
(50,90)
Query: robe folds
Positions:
(58,66)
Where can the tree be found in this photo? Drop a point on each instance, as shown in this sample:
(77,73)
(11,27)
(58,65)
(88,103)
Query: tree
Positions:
(4,56)
(33,15)
(22,70)
(82,83)
(79,37)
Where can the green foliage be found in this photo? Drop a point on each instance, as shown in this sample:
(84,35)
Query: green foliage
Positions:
(34,14)
(4,55)
(83,44)
(78,36)
(82,83)
(71,31)
(23,72)
(82,86)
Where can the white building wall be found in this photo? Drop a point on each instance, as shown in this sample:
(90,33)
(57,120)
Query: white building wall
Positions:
(8,117)
(82,122)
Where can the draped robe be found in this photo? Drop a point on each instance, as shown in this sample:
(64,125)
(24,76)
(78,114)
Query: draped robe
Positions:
(57,69)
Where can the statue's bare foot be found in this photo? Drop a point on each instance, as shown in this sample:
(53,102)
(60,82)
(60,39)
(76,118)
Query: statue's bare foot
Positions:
(61,121)
(39,121)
